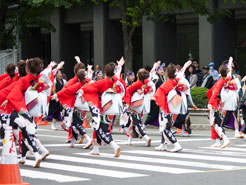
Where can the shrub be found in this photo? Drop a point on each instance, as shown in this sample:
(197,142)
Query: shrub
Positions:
(199,96)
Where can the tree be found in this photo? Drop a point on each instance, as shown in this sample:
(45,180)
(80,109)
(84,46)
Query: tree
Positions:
(133,11)
(30,12)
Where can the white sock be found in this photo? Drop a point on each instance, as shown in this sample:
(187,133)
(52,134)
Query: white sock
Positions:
(95,149)
(88,139)
(129,139)
(114,145)
(36,155)
(23,158)
(146,138)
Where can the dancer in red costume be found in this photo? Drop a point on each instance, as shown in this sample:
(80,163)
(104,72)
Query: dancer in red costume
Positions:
(137,99)
(171,98)
(100,120)
(67,98)
(215,106)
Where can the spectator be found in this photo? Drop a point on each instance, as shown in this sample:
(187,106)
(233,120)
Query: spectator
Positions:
(154,109)
(178,67)
(130,77)
(198,72)
(55,108)
(213,72)
(98,68)
(191,76)
(98,75)
(207,80)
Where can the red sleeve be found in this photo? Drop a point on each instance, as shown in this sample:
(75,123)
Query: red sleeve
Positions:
(160,97)
(67,95)
(130,90)
(3,76)
(72,81)
(215,92)
(16,98)
(6,82)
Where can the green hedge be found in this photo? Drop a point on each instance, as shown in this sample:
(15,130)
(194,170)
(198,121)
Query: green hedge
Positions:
(199,96)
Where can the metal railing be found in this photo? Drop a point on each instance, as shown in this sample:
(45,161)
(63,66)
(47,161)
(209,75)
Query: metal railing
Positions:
(6,57)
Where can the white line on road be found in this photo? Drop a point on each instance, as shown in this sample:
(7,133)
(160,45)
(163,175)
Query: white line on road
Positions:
(228,149)
(50,176)
(188,156)
(43,135)
(86,170)
(167,161)
(124,165)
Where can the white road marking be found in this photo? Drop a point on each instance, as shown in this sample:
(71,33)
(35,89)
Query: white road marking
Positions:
(50,176)
(124,165)
(166,161)
(216,152)
(43,135)
(227,148)
(86,170)
(188,156)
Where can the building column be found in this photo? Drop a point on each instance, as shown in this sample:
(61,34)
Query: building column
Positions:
(205,41)
(159,42)
(99,16)
(55,18)
(149,42)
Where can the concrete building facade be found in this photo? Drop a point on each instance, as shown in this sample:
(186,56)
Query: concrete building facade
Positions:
(94,33)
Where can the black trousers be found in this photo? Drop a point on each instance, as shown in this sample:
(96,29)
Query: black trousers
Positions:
(154,113)
(27,139)
(77,128)
(138,130)
(103,134)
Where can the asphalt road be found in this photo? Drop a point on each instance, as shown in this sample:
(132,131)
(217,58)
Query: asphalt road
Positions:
(197,164)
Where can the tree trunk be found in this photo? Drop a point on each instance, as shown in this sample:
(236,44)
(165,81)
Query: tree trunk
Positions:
(127,38)
(128,52)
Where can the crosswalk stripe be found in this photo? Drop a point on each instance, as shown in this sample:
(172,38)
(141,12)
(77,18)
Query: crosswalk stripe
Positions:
(45,135)
(124,165)
(228,148)
(50,176)
(167,161)
(216,152)
(86,170)
(188,156)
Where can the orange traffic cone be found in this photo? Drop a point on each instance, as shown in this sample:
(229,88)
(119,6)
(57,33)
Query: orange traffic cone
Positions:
(42,123)
(85,124)
(9,167)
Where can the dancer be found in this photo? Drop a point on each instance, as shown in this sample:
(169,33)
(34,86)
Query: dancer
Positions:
(100,117)
(138,100)
(214,106)
(171,98)
(67,99)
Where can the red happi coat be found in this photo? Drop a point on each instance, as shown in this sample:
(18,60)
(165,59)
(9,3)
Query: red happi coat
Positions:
(4,93)
(132,89)
(213,93)
(3,76)
(16,96)
(162,92)
(67,95)
(94,90)
(72,81)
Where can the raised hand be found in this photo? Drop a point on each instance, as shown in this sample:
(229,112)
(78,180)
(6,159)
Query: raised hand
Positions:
(77,59)
(52,64)
(157,64)
(89,67)
(121,62)
(60,65)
